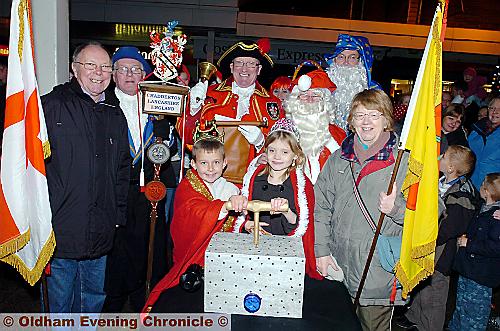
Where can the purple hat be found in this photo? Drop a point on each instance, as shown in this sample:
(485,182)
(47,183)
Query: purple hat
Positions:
(354,43)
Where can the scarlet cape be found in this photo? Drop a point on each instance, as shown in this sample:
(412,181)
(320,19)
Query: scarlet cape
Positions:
(304,201)
(194,223)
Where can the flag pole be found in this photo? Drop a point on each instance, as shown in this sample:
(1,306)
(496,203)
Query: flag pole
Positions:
(45,292)
(377,231)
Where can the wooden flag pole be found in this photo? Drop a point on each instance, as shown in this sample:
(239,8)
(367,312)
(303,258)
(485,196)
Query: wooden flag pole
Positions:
(377,232)
(45,292)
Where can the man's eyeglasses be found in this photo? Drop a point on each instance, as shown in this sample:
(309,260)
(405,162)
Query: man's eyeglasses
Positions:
(310,96)
(249,65)
(351,59)
(371,116)
(126,70)
(93,66)
(493,109)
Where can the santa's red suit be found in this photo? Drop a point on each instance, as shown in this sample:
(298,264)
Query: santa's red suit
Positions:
(304,201)
(314,163)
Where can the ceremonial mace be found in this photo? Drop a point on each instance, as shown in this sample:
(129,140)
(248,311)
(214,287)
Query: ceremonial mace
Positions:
(256,206)
(158,153)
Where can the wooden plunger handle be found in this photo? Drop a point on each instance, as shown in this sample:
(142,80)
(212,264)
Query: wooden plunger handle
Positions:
(257,206)
(262,124)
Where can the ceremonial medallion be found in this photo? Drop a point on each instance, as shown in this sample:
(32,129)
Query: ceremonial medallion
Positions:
(155,191)
(158,153)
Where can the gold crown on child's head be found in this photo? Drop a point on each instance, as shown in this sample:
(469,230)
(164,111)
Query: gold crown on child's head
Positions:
(207,130)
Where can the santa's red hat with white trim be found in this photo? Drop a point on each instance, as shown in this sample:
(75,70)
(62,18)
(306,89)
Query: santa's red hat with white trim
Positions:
(317,79)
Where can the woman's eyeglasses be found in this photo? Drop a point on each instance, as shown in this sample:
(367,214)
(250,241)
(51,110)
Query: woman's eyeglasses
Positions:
(371,116)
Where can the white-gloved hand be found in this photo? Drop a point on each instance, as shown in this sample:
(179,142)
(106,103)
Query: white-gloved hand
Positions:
(253,135)
(197,96)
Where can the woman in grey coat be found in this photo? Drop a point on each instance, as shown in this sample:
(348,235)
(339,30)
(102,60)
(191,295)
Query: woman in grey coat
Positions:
(341,229)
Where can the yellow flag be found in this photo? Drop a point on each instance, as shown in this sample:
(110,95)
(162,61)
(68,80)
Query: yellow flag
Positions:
(420,136)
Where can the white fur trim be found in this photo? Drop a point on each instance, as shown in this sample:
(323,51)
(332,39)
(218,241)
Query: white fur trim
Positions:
(313,167)
(252,167)
(332,145)
(303,208)
(301,198)
(304,83)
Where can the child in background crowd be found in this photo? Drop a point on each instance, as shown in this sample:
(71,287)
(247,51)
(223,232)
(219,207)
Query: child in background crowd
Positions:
(461,201)
(478,262)
(482,113)
(453,117)
(475,91)
(282,180)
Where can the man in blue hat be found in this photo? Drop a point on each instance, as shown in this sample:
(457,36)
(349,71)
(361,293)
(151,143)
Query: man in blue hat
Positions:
(350,70)
(127,262)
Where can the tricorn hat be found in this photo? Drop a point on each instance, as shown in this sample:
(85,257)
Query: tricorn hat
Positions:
(247,48)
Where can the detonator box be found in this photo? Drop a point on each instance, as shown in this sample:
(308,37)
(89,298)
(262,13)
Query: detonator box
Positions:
(267,280)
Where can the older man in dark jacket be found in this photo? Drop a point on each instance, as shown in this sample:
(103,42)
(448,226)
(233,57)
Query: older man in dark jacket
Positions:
(88,175)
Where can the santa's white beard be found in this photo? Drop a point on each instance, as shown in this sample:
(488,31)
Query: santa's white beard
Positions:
(349,81)
(312,121)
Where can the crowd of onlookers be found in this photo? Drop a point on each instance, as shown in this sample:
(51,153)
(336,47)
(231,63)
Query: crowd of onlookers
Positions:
(459,292)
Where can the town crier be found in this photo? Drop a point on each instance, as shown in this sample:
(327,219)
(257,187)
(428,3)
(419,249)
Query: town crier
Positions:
(241,100)
(310,106)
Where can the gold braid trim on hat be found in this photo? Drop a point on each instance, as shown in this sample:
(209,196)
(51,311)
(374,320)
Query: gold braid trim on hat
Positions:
(245,47)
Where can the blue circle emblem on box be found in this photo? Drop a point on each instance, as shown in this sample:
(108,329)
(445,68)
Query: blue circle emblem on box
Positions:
(252,302)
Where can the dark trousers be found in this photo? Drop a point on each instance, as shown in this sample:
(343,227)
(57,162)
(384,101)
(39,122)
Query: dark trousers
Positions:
(428,308)
(116,303)
(127,263)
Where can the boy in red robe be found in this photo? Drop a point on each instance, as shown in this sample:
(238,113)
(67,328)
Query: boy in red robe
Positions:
(199,209)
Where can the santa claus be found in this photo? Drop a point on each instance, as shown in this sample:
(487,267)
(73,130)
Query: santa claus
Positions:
(350,70)
(310,107)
